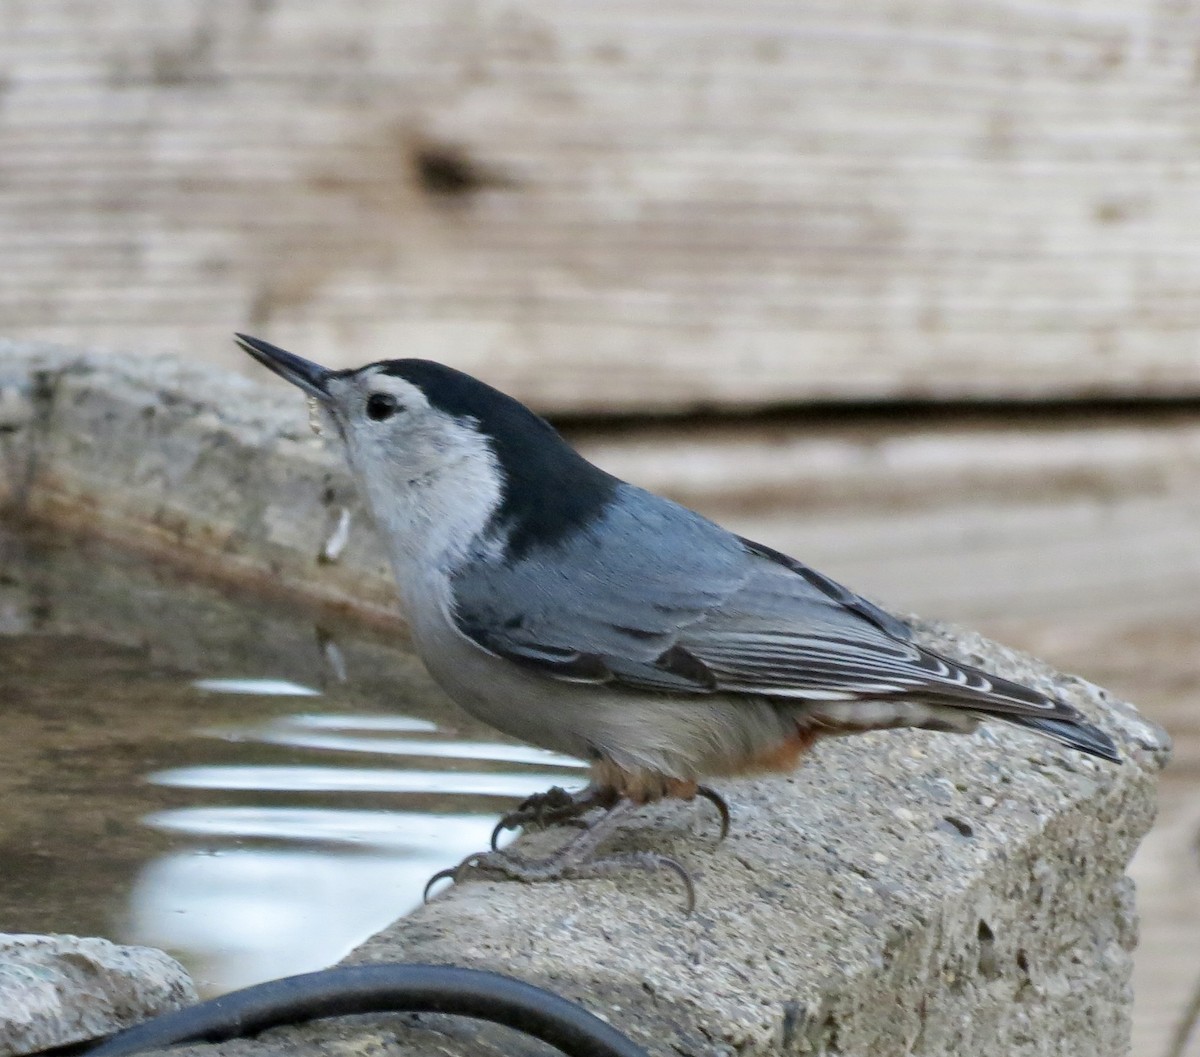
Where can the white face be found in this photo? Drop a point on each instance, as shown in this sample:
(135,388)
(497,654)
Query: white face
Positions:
(432,480)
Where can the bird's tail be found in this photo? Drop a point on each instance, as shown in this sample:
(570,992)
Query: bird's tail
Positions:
(1075,732)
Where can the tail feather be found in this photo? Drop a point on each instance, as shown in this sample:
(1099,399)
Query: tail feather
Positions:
(1077,733)
(992,696)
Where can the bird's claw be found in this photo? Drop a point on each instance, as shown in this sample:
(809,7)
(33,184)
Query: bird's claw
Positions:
(561,867)
(555,807)
(638,860)
(477,860)
(450,872)
(721,804)
(577,859)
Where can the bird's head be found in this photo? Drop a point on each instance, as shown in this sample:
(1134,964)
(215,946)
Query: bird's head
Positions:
(445,460)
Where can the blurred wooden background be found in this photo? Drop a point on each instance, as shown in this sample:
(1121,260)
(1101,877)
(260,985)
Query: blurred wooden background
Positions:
(621,205)
(618,207)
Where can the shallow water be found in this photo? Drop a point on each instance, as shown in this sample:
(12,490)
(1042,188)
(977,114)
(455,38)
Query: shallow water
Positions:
(239,784)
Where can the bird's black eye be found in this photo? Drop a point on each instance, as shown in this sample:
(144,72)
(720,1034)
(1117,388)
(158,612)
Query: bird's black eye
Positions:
(381,406)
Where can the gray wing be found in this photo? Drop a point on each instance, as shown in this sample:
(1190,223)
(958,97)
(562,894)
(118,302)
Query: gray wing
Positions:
(655,597)
(610,603)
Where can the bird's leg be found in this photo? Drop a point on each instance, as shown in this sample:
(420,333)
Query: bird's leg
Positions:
(576,860)
(555,807)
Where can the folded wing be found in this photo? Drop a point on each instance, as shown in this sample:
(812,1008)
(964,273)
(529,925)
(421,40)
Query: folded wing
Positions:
(657,598)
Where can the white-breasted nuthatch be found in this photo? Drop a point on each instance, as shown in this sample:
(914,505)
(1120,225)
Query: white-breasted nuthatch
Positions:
(583,614)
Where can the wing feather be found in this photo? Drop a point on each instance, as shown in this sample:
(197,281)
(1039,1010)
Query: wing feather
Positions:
(654,597)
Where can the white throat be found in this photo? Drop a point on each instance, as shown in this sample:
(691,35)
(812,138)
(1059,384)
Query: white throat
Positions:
(430,523)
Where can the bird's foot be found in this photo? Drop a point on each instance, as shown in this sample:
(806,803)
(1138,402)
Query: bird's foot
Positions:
(576,860)
(500,864)
(555,807)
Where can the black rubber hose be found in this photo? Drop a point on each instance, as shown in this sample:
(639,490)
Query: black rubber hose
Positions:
(381,989)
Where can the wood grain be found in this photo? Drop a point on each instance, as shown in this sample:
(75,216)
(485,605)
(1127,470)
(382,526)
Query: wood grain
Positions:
(618,206)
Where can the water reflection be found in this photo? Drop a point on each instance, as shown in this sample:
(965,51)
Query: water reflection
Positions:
(320,878)
(339,735)
(250,788)
(387,724)
(389,830)
(283,778)
(263,687)
(244,915)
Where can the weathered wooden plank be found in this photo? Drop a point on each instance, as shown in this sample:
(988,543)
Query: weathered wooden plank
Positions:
(622,205)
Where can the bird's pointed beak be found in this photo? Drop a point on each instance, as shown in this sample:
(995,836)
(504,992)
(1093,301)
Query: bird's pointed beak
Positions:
(309,376)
